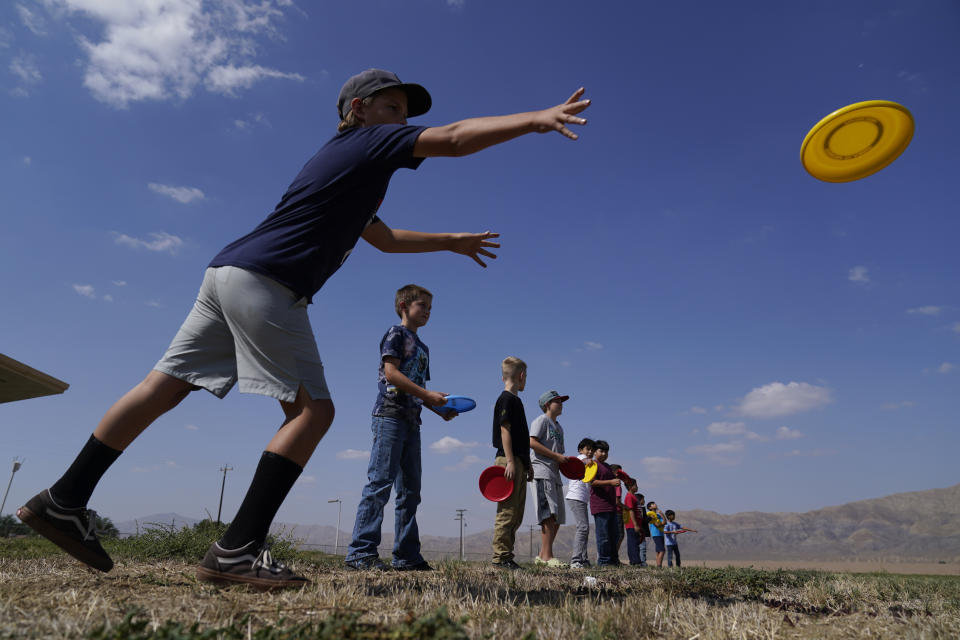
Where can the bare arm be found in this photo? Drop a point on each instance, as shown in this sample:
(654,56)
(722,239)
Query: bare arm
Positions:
(390,240)
(469,136)
(408,386)
(507,441)
(546,453)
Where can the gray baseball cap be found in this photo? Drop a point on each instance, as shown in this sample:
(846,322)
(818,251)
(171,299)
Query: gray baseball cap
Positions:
(546,398)
(365,84)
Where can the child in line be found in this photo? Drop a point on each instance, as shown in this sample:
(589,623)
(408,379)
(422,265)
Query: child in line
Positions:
(636,526)
(546,441)
(603,507)
(395,454)
(622,522)
(578,503)
(511,439)
(672,530)
(656,530)
(250,319)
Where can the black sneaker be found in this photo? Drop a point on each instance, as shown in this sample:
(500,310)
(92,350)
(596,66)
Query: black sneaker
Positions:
(366,564)
(508,565)
(73,530)
(420,566)
(251,564)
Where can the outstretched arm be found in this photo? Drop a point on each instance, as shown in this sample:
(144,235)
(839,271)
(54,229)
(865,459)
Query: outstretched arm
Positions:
(469,136)
(471,245)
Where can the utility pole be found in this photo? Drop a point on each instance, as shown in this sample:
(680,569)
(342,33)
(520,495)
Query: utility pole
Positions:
(336,544)
(223,485)
(459,517)
(17,463)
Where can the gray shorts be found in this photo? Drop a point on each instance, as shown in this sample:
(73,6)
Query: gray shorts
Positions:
(550,501)
(247,328)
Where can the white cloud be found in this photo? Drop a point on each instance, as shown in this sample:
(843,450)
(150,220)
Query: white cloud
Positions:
(191,427)
(858,274)
(698,410)
(946,367)
(811,453)
(956,327)
(154,304)
(929,310)
(306,480)
(724,452)
(6,38)
(251,121)
(893,406)
(183,195)
(165,49)
(457,4)
(778,399)
(661,466)
(592,346)
(466,463)
(27,160)
(86,290)
(448,444)
(227,79)
(786,433)
(352,454)
(120,283)
(160,241)
(32,21)
(108,298)
(726,428)
(25,67)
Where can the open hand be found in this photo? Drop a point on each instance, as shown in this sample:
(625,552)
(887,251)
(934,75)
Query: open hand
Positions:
(557,118)
(473,245)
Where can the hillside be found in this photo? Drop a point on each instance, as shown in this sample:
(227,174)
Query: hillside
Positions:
(915,526)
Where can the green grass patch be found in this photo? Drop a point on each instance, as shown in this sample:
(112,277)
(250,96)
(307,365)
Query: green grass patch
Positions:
(436,625)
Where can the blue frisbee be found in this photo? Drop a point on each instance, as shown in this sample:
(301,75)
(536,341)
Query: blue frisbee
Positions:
(460,404)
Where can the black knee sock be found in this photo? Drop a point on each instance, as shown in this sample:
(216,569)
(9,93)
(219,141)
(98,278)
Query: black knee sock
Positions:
(77,484)
(271,483)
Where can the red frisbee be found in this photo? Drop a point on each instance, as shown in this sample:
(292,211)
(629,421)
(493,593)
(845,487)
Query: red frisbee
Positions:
(573,468)
(494,486)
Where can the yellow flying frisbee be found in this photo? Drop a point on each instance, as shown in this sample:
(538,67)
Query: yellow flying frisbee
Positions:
(857,140)
(590,471)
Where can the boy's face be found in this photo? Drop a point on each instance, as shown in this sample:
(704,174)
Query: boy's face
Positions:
(554,407)
(387,107)
(600,454)
(587,451)
(417,313)
(671,516)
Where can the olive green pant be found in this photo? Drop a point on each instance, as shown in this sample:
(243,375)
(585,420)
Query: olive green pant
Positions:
(509,513)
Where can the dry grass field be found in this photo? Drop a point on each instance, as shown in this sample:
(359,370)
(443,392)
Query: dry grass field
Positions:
(45,594)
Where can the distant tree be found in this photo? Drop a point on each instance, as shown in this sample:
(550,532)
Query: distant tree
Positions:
(10,526)
(106,528)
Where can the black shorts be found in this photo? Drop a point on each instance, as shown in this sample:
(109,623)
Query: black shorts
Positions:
(658,544)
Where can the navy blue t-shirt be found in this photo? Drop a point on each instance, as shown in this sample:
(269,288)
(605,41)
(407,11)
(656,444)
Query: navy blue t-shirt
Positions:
(329,204)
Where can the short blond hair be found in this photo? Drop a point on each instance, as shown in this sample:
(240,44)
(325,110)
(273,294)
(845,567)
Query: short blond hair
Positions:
(408,294)
(512,367)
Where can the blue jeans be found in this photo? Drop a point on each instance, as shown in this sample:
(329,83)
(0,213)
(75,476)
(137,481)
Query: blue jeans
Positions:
(636,548)
(607,527)
(394,461)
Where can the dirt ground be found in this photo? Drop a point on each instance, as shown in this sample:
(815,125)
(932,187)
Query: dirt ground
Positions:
(906,568)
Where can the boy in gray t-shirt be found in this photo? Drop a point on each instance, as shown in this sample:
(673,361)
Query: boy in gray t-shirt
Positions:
(546,441)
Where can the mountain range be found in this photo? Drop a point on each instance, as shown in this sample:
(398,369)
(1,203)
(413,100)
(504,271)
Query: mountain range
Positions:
(920,526)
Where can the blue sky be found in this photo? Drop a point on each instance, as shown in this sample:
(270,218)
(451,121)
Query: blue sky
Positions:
(745,336)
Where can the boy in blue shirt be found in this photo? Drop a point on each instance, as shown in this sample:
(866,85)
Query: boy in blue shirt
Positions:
(250,323)
(395,454)
(671,529)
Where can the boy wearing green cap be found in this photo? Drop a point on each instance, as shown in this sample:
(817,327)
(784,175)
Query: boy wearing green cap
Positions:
(250,325)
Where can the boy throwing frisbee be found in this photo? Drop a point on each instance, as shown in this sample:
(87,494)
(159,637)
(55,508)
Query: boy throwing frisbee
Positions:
(250,323)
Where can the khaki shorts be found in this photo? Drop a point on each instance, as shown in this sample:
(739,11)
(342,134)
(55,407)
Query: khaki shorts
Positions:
(247,328)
